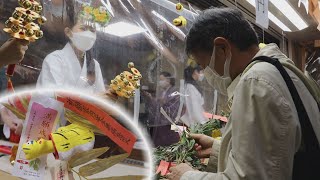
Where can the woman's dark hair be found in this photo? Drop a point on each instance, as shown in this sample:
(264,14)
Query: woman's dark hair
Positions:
(220,22)
(72,19)
(188,72)
(72,13)
(169,76)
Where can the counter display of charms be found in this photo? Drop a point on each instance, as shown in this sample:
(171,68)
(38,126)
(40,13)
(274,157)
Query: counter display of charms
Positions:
(70,149)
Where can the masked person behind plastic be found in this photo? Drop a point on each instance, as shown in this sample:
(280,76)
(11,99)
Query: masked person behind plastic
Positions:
(193,101)
(73,67)
(263,132)
(161,132)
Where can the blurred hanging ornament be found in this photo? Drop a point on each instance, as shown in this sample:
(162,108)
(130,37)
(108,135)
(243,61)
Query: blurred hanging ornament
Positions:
(179,7)
(180,21)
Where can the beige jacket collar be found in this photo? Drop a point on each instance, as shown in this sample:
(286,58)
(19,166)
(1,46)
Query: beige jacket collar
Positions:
(270,50)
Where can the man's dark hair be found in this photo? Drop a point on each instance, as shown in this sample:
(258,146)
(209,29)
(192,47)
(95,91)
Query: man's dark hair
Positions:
(169,76)
(220,22)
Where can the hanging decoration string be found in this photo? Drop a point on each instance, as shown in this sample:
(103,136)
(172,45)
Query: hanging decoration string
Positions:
(263,35)
(283,41)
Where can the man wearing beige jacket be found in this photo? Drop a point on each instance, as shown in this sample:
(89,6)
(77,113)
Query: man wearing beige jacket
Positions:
(263,133)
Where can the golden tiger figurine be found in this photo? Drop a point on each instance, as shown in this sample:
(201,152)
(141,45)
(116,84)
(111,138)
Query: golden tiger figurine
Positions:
(63,143)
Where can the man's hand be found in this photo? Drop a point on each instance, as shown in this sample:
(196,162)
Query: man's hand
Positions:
(12,121)
(12,51)
(146,94)
(177,171)
(111,94)
(203,145)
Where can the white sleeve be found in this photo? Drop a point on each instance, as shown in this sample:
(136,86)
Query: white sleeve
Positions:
(194,104)
(100,88)
(51,75)
(2,108)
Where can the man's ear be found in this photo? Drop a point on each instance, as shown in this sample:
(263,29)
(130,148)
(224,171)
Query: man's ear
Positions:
(223,46)
(222,43)
(68,32)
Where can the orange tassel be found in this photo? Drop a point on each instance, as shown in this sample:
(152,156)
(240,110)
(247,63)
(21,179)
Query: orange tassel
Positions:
(10,86)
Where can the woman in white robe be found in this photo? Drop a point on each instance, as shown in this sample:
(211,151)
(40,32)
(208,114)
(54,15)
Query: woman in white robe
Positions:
(73,67)
(193,103)
(61,69)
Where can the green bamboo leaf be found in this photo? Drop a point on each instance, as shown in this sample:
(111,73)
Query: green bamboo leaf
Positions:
(76,119)
(101,165)
(122,178)
(192,143)
(86,156)
(14,111)
(35,167)
(24,102)
(37,160)
(73,115)
(183,151)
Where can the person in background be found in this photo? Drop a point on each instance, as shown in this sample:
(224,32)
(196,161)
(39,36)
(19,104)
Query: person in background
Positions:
(161,132)
(73,67)
(193,101)
(263,133)
(12,51)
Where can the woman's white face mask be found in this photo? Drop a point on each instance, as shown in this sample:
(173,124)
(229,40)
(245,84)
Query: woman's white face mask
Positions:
(163,84)
(83,41)
(220,83)
(201,77)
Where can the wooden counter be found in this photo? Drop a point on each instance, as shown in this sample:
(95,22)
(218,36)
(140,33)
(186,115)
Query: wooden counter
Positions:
(120,169)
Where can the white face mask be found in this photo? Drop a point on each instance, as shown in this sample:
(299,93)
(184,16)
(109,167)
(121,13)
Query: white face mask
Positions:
(83,41)
(201,77)
(163,83)
(220,83)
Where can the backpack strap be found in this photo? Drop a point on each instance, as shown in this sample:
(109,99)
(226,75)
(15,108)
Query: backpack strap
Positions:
(308,133)
(307,80)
